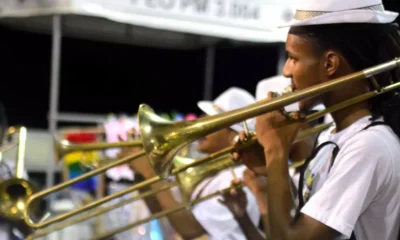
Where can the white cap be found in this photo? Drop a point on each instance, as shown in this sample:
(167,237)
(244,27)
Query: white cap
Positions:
(318,12)
(278,84)
(231,99)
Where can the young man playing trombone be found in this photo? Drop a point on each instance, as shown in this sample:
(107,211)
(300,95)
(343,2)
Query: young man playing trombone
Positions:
(298,153)
(353,191)
(209,217)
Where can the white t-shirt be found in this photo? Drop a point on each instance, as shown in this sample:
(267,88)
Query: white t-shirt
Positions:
(216,218)
(360,192)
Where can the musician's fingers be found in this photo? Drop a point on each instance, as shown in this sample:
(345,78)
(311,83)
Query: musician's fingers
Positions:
(221,201)
(270,95)
(242,136)
(248,173)
(236,181)
(236,156)
(233,192)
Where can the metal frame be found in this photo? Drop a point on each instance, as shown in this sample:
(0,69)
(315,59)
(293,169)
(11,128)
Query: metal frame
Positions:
(54,116)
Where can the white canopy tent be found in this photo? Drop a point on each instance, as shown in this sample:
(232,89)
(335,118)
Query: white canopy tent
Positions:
(180,24)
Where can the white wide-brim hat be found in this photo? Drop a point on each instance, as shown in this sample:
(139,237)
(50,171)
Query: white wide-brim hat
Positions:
(231,99)
(278,84)
(319,12)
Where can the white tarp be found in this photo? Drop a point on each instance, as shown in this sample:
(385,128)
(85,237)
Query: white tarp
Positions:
(246,20)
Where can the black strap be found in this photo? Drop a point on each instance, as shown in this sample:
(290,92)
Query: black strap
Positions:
(336,150)
(261,225)
(304,169)
(374,124)
(312,156)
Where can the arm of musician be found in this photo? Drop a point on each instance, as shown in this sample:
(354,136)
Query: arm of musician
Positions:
(249,229)
(236,202)
(182,221)
(262,202)
(151,201)
(258,186)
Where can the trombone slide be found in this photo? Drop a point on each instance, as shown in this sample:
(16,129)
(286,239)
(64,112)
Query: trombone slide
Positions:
(162,214)
(162,139)
(148,182)
(97,212)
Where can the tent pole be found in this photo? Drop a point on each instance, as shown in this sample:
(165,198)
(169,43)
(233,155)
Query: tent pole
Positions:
(54,93)
(209,72)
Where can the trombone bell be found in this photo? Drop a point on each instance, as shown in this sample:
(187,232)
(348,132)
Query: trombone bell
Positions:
(14,194)
(162,139)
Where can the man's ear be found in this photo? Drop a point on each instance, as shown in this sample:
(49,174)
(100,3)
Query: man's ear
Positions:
(331,63)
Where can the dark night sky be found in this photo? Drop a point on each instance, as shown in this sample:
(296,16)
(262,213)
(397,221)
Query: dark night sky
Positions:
(103,77)
(99,77)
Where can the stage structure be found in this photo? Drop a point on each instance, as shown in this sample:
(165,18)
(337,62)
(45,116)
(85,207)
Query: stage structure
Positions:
(173,24)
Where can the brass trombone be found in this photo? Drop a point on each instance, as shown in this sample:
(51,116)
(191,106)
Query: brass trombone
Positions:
(96,212)
(162,213)
(15,191)
(162,139)
(63,147)
(138,186)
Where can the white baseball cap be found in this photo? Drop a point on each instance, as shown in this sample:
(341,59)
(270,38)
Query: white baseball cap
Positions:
(231,99)
(318,12)
(277,84)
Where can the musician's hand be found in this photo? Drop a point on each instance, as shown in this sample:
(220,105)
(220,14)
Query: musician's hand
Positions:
(235,201)
(253,156)
(256,183)
(140,165)
(258,186)
(276,133)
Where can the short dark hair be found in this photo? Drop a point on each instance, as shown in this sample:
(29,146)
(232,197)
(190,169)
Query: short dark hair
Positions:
(363,45)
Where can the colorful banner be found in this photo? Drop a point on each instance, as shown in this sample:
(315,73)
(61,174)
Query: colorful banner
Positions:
(73,160)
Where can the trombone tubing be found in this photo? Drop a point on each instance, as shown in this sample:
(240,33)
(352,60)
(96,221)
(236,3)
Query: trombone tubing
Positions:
(133,188)
(213,123)
(300,136)
(97,212)
(68,183)
(81,218)
(156,179)
(68,147)
(164,213)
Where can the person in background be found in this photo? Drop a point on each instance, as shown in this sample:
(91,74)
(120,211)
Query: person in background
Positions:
(209,217)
